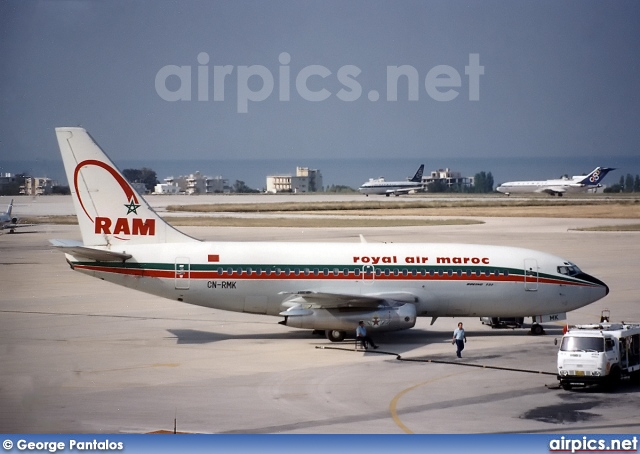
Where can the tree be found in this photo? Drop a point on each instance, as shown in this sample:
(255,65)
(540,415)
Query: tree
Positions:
(614,188)
(63,190)
(636,184)
(339,188)
(144,175)
(437,186)
(628,183)
(241,188)
(483,182)
(489,183)
(478,182)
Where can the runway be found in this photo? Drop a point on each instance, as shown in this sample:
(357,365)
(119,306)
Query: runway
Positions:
(81,355)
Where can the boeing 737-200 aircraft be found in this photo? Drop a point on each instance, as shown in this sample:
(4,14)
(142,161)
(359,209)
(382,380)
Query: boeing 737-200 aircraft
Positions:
(316,286)
(380,186)
(579,183)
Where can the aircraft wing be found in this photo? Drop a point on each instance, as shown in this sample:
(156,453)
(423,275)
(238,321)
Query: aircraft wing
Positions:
(15,226)
(403,191)
(323,300)
(79,250)
(552,190)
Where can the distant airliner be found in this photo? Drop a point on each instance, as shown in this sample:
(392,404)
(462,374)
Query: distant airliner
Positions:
(578,183)
(380,186)
(315,286)
(7,222)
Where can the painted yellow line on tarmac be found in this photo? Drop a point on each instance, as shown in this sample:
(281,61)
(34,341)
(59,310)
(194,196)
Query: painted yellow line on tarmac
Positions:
(394,402)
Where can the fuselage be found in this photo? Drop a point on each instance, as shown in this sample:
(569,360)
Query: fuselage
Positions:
(561,185)
(380,186)
(579,183)
(443,279)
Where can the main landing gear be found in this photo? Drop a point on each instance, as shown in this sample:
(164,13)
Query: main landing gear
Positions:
(335,335)
(536,329)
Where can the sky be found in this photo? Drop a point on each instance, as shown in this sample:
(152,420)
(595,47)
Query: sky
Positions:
(364,79)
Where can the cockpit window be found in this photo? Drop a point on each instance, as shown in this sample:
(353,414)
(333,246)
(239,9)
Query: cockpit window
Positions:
(569,269)
(582,344)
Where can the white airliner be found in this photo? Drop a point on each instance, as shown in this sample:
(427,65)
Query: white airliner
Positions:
(578,183)
(380,186)
(9,223)
(316,286)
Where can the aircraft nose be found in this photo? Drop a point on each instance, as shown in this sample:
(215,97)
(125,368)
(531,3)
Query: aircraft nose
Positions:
(594,280)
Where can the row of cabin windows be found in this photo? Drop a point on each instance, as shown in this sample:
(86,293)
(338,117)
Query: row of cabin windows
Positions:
(357,271)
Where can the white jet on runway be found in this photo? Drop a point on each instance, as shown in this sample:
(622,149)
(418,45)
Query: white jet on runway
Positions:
(318,286)
(381,186)
(578,183)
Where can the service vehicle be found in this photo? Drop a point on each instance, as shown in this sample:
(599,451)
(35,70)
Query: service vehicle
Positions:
(599,354)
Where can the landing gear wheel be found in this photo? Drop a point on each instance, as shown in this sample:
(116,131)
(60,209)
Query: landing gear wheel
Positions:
(536,329)
(335,335)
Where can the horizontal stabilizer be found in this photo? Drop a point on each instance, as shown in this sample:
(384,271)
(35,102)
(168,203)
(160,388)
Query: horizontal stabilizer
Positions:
(79,250)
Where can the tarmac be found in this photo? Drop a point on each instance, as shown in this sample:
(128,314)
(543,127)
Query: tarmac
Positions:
(79,355)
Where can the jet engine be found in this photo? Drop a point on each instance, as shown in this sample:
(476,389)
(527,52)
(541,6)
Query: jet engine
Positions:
(337,322)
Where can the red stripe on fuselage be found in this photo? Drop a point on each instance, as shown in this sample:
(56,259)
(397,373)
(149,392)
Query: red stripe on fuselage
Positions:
(262,276)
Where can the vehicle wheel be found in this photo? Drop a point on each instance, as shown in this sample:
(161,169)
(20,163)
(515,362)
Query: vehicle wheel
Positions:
(335,335)
(566,386)
(536,329)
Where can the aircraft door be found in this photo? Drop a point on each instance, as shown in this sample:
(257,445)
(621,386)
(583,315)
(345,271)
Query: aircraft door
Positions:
(368,274)
(530,275)
(182,273)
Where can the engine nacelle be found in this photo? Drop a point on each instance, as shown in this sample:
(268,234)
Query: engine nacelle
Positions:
(384,318)
(14,220)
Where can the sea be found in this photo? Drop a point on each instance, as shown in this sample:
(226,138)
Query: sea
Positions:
(353,172)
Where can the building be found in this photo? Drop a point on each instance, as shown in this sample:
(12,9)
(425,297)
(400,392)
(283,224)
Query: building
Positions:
(314,178)
(139,187)
(10,184)
(305,180)
(195,183)
(448,178)
(37,186)
(166,188)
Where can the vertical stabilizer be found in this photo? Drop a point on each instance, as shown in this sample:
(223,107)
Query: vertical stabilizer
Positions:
(418,176)
(595,177)
(110,212)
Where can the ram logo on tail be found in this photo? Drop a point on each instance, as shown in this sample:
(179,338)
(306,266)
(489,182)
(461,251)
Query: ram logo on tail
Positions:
(109,210)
